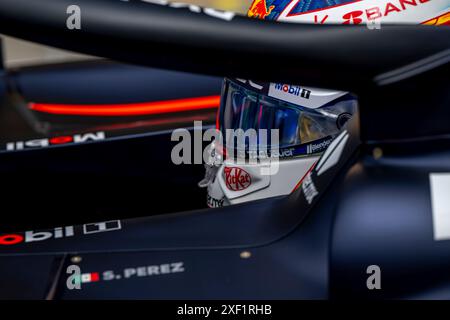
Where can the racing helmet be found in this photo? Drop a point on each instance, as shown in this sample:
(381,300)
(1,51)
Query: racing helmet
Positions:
(306,119)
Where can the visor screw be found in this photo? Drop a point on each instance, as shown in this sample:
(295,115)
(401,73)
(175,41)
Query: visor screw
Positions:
(76,259)
(245,254)
(377,153)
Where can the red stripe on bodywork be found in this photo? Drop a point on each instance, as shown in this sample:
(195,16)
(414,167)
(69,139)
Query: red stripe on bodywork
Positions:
(132,109)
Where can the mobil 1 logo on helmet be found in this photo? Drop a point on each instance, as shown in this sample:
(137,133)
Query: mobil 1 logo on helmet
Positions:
(59,233)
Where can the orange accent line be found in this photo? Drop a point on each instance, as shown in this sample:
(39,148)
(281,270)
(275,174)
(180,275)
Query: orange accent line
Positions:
(442,20)
(132,109)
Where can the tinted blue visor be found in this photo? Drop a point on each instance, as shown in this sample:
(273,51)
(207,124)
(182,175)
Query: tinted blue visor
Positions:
(243,108)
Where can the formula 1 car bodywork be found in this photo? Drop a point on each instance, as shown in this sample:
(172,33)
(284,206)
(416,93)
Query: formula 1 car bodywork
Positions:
(375,198)
(116,181)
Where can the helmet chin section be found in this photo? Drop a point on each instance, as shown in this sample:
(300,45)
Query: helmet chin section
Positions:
(237,183)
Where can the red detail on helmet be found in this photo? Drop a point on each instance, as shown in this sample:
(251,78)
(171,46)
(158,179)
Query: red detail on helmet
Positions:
(316,19)
(237,179)
(61,140)
(353,17)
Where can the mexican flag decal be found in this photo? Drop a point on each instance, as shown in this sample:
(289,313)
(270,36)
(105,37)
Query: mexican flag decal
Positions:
(90,277)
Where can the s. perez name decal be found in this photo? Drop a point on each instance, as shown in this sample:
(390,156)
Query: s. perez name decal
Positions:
(146,271)
(132,272)
(60,140)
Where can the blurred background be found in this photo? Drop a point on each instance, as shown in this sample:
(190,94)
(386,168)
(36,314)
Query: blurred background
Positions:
(20,53)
